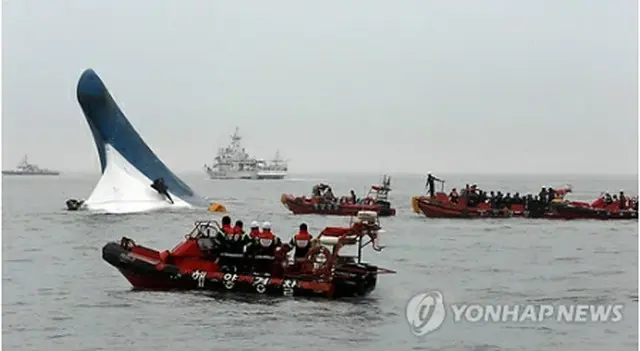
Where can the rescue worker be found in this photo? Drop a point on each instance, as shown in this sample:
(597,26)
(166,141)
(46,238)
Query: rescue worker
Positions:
(431,188)
(623,201)
(235,240)
(465,193)
(237,229)
(263,250)
(162,189)
(255,230)
(301,243)
(507,201)
(354,198)
(551,195)
(453,196)
(328,195)
(542,195)
(492,199)
(226,225)
(225,237)
(607,199)
(517,200)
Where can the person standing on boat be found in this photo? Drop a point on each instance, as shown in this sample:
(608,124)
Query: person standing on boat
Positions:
(354,198)
(263,250)
(301,242)
(542,195)
(431,188)
(255,230)
(226,225)
(551,194)
(328,195)
(623,201)
(227,244)
(235,241)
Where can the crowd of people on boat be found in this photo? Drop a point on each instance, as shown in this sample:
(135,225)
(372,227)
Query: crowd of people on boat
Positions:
(473,196)
(258,249)
(325,192)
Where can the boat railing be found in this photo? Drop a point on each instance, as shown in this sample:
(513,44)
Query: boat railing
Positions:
(203,228)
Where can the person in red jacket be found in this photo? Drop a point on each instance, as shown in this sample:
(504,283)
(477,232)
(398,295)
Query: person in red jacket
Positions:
(226,225)
(263,250)
(255,230)
(301,242)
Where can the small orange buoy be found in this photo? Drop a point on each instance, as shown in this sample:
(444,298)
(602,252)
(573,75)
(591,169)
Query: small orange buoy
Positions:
(216,207)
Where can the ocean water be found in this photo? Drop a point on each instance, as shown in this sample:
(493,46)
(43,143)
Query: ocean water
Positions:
(58,293)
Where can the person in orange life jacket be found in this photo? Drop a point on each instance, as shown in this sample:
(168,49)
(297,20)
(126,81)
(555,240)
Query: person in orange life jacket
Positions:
(236,239)
(226,225)
(255,230)
(301,242)
(263,250)
(220,240)
(236,242)
(226,248)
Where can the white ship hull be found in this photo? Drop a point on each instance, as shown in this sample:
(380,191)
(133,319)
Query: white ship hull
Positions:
(272,174)
(232,174)
(246,174)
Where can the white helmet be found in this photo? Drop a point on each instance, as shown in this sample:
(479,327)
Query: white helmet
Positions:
(255,224)
(266,225)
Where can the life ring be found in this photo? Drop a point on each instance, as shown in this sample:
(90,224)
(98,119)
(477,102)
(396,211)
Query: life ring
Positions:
(319,267)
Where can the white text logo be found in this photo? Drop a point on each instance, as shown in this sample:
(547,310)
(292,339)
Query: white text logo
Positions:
(426,312)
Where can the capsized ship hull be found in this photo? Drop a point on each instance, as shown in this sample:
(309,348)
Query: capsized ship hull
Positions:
(127,164)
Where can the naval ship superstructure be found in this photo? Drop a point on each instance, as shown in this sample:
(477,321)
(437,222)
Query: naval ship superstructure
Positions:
(233,162)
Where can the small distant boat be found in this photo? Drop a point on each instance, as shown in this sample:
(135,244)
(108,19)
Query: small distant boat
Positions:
(26,168)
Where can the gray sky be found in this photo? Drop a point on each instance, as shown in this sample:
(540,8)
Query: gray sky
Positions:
(364,85)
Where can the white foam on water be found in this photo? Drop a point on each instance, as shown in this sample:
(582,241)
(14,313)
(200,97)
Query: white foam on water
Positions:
(124,189)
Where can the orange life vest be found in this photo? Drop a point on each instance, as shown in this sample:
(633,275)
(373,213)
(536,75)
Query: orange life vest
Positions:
(227,229)
(266,238)
(302,239)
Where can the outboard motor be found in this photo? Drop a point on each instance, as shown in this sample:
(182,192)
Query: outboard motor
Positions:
(73,204)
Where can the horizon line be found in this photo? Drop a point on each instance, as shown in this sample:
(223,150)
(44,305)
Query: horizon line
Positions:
(405,173)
